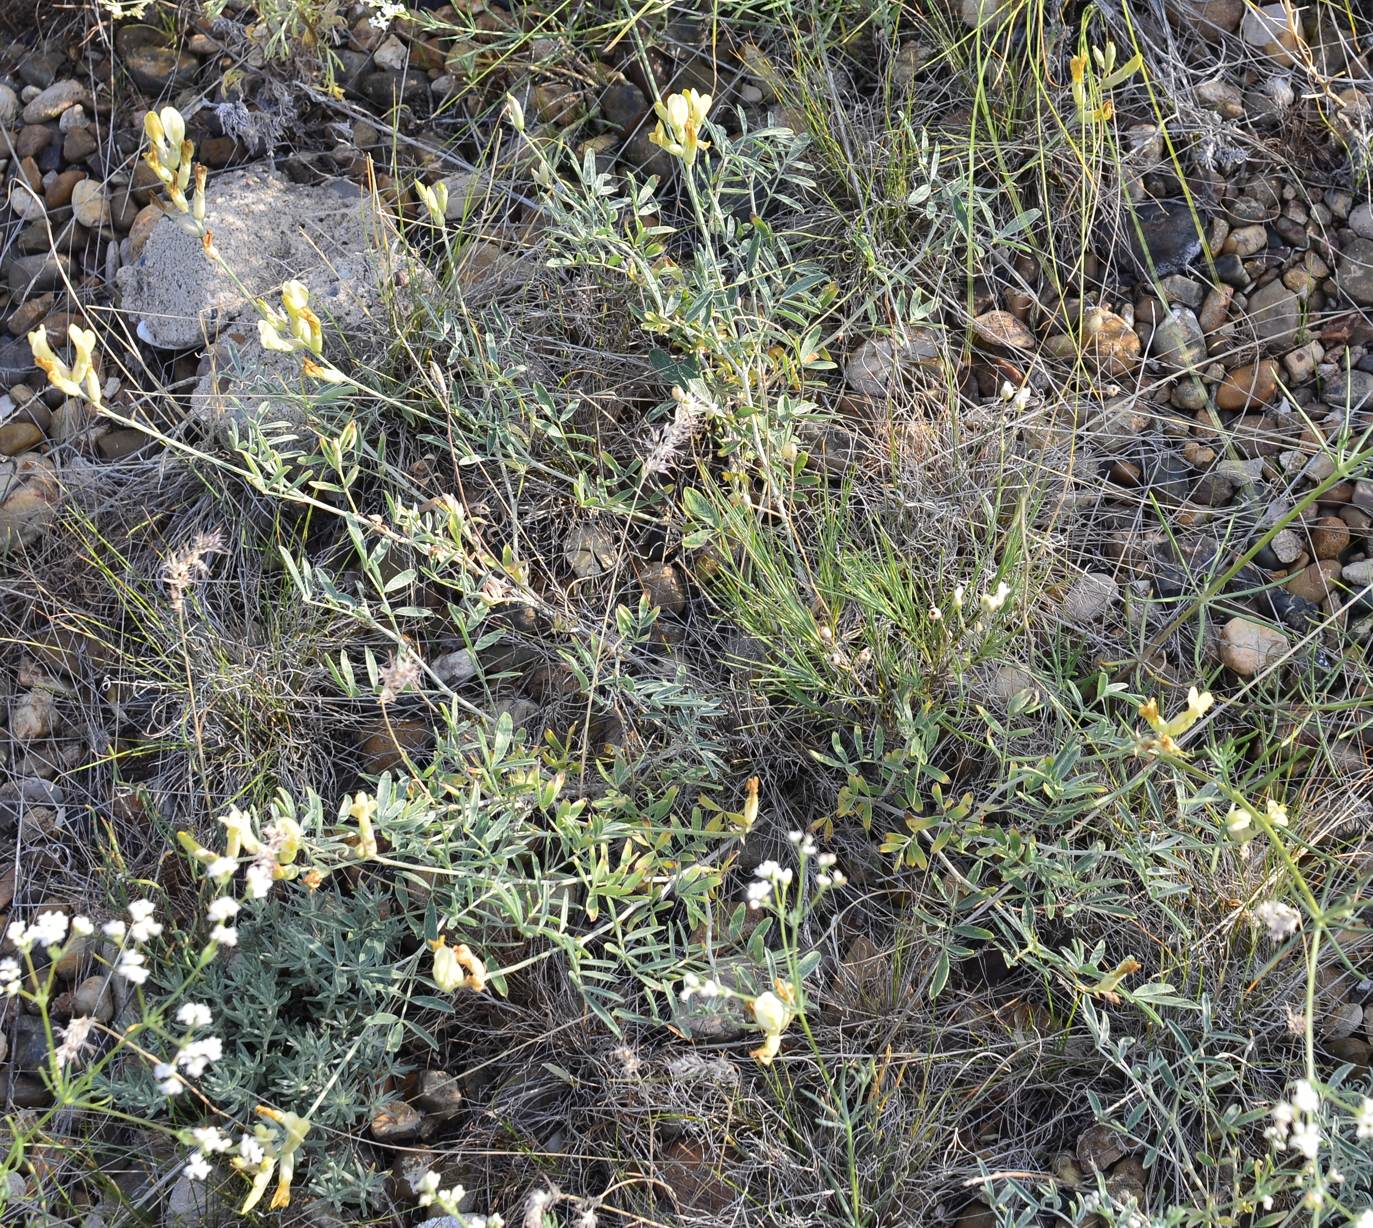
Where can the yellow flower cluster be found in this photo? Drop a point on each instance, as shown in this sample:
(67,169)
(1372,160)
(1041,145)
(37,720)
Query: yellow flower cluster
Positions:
(678,131)
(169,157)
(1163,739)
(772,1012)
(77,380)
(272,1152)
(435,201)
(296,329)
(457,967)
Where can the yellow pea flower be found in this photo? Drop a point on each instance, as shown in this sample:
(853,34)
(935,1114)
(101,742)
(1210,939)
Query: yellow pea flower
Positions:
(276,1154)
(772,1015)
(679,124)
(78,380)
(1198,704)
(457,967)
(435,201)
(362,809)
(298,329)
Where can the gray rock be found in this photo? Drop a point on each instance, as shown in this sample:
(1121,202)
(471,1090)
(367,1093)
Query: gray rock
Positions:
(195,1204)
(1357,575)
(1356,271)
(1178,342)
(876,366)
(267,229)
(52,101)
(16,361)
(1360,217)
(1275,315)
(1352,389)
(39,273)
(28,1043)
(1090,597)
(9,106)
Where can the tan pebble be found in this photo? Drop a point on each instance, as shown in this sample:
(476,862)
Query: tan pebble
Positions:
(1314,583)
(90,204)
(1249,647)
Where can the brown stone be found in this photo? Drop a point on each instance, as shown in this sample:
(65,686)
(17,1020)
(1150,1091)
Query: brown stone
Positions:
(80,143)
(1249,647)
(26,316)
(143,223)
(122,443)
(217,151)
(33,139)
(59,191)
(1314,583)
(17,437)
(1248,386)
(396,1122)
(1330,537)
(388,747)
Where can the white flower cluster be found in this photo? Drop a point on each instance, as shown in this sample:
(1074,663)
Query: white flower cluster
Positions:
(1363,1119)
(48,929)
(767,876)
(209,1140)
(194,1056)
(1281,920)
(386,12)
(693,986)
(140,928)
(430,1195)
(221,912)
(1295,1121)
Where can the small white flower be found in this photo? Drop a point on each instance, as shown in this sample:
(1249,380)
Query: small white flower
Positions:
(222,868)
(1305,1098)
(426,1188)
(1281,921)
(826,860)
(796,836)
(757,893)
(10,979)
(771,872)
(1363,1116)
(223,909)
(143,927)
(1276,811)
(1306,1138)
(194,1057)
(194,1015)
(1363,1220)
(211,1139)
(114,929)
(992,602)
(224,935)
(1238,822)
(83,926)
(168,1081)
(250,1149)
(197,1167)
(257,881)
(130,967)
